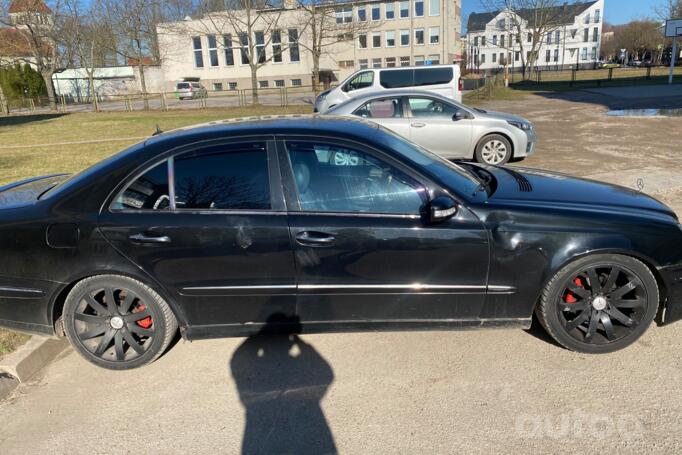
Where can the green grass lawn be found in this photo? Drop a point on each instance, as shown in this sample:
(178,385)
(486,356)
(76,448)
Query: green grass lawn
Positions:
(117,128)
(38,130)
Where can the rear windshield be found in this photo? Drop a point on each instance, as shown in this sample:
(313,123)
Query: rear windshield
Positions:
(183,85)
(415,77)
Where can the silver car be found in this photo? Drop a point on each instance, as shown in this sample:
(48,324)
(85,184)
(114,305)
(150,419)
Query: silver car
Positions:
(446,127)
(190,90)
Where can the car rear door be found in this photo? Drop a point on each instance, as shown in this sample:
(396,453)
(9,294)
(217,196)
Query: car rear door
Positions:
(433,126)
(363,254)
(209,224)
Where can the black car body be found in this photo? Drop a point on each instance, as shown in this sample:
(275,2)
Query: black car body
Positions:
(227,272)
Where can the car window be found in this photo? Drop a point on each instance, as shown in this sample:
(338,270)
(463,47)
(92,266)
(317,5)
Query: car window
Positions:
(432,76)
(362,80)
(396,78)
(383,108)
(332,178)
(431,108)
(149,191)
(183,85)
(226,177)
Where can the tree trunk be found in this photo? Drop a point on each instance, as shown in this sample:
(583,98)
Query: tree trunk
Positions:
(254,85)
(4,105)
(93,93)
(47,77)
(143,83)
(316,72)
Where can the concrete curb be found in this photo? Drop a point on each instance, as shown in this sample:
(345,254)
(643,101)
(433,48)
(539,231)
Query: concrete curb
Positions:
(28,359)
(7,384)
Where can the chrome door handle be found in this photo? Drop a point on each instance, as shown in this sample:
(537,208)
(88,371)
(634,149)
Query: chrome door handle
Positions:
(418,125)
(311,238)
(142,238)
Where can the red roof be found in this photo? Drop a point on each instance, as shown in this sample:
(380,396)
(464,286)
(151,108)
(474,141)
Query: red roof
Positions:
(16,43)
(34,6)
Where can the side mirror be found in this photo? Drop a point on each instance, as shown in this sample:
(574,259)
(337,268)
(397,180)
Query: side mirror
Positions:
(459,115)
(441,208)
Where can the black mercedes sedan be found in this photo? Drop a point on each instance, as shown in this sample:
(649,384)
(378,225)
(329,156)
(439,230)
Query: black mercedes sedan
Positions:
(322,224)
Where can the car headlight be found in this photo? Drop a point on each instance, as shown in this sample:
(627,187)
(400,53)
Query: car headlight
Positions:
(525,126)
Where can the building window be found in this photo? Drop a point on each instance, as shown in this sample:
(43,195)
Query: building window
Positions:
(390,38)
(530,37)
(573,33)
(482,40)
(418,8)
(419,60)
(476,41)
(434,7)
(390,62)
(376,63)
(557,36)
(227,45)
(597,16)
(279,83)
(594,53)
(494,57)
(232,85)
(276,46)
(362,14)
(556,55)
(583,55)
(260,47)
(502,62)
(390,10)
(517,56)
(376,40)
(294,55)
(587,18)
(494,40)
(404,10)
(212,50)
(244,47)
(518,38)
(595,34)
(296,83)
(198,54)
(404,37)
(434,35)
(362,64)
(434,59)
(547,55)
(217,86)
(418,36)
(501,40)
(263,84)
(483,58)
(549,38)
(362,41)
(376,12)
(586,35)
(344,15)
(404,61)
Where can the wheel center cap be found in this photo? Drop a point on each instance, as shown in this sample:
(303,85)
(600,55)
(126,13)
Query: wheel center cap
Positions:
(116,322)
(599,303)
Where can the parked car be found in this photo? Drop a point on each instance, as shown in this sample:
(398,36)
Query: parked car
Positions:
(444,80)
(450,129)
(235,228)
(635,63)
(190,90)
(607,65)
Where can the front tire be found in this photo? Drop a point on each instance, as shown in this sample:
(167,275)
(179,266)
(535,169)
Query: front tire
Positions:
(599,304)
(117,322)
(493,149)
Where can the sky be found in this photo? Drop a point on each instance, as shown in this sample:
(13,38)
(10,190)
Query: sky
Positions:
(615,11)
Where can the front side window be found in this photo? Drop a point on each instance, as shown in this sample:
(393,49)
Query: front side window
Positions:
(231,177)
(383,108)
(337,179)
(431,108)
(362,80)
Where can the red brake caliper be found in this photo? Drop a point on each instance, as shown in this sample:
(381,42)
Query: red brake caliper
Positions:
(570,297)
(146,322)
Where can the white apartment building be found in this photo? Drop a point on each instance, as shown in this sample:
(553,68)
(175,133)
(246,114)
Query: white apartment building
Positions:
(573,41)
(376,33)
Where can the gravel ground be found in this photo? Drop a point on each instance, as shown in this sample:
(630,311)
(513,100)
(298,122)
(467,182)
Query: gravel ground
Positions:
(428,392)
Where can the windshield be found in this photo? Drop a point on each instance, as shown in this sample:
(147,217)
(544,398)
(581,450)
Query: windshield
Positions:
(459,179)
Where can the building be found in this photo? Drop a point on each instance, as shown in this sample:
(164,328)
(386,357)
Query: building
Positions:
(371,33)
(572,41)
(16,40)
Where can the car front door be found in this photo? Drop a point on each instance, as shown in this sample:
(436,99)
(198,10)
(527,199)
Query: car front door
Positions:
(434,126)
(388,112)
(209,225)
(363,253)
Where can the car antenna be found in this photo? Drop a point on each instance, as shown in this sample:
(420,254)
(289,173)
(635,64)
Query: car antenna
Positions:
(158,130)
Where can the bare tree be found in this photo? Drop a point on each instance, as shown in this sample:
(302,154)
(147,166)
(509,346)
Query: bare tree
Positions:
(669,9)
(36,37)
(528,22)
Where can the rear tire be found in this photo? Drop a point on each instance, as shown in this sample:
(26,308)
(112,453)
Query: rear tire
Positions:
(599,304)
(493,149)
(117,322)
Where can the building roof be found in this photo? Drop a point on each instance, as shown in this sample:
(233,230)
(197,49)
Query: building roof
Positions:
(34,6)
(14,43)
(564,14)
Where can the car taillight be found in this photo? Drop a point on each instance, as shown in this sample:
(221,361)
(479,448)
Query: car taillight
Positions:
(190,88)
(460,85)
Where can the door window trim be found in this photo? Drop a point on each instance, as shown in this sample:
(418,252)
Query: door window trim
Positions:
(291,191)
(277,204)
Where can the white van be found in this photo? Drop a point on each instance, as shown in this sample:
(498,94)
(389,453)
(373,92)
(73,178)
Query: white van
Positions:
(442,79)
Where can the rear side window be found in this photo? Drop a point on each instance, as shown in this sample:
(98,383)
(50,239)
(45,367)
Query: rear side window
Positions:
(183,85)
(383,108)
(432,76)
(235,179)
(396,78)
(148,192)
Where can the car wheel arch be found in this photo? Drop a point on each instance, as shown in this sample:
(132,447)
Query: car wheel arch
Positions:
(492,133)
(56,306)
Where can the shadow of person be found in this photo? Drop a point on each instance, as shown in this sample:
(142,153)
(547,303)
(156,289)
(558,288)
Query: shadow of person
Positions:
(281,380)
